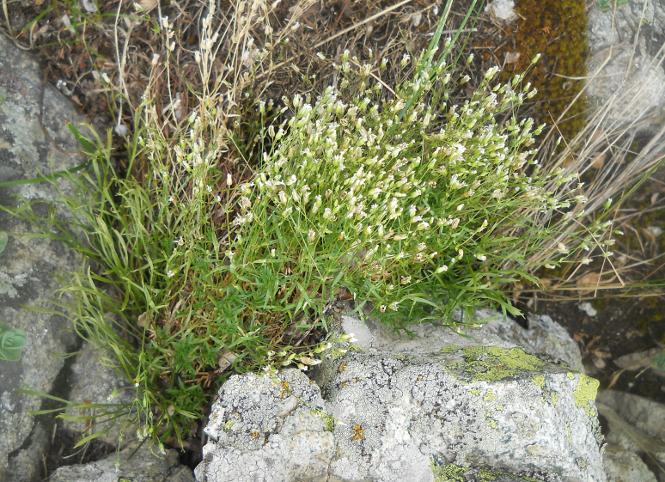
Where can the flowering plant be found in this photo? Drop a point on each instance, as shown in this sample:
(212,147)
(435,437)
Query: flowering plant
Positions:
(415,205)
(412,204)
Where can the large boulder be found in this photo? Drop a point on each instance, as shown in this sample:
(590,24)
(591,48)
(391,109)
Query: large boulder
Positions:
(420,409)
(28,264)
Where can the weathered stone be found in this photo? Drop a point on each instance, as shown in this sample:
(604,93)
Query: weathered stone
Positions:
(142,466)
(626,70)
(265,429)
(410,409)
(544,337)
(624,466)
(90,381)
(640,412)
(27,265)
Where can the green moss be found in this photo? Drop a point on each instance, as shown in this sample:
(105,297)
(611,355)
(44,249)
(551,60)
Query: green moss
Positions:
(557,30)
(492,363)
(586,391)
(600,304)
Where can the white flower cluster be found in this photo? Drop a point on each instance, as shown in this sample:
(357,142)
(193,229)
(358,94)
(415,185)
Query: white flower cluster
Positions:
(403,186)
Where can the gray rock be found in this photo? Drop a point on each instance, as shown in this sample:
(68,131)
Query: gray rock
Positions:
(544,337)
(27,265)
(143,466)
(265,429)
(624,466)
(409,409)
(642,413)
(625,52)
(635,430)
(89,380)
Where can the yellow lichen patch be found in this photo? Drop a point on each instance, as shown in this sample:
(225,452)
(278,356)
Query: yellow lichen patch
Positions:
(492,363)
(489,396)
(585,393)
(358,433)
(476,391)
(490,421)
(539,380)
(557,30)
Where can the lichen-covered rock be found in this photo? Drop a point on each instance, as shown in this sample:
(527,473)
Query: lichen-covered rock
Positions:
(27,265)
(410,410)
(267,429)
(544,337)
(142,466)
(479,407)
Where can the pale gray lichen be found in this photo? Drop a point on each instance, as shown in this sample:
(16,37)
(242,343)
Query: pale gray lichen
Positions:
(8,284)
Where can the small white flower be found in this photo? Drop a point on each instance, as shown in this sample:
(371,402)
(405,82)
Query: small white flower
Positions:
(481,257)
(460,207)
(170,273)
(442,269)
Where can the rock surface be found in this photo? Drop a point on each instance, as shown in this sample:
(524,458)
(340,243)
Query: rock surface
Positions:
(143,466)
(89,380)
(403,409)
(27,265)
(544,337)
(626,54)
(635,430)
(624,466)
